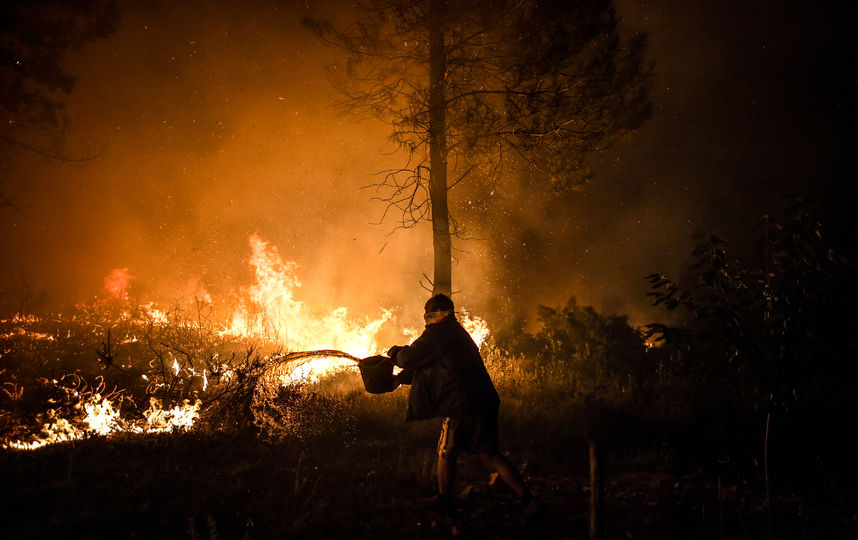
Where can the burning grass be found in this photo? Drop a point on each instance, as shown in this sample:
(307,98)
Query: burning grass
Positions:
(116,365)
(238,428)
(66,378)
(318,457)
(111,368)
(70,378)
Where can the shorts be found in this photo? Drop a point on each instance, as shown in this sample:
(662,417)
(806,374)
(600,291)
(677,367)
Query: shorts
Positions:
(472,434)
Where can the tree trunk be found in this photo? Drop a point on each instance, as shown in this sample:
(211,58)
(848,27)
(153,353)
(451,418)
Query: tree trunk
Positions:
(441,243)
(596,491)
(766,468)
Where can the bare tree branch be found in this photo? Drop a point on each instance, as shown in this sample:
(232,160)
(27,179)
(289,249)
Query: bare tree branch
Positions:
(479,89)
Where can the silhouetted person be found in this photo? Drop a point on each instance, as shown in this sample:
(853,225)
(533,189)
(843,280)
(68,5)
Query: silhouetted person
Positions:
(449,380)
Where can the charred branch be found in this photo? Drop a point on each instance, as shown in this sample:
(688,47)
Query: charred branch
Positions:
(107,353)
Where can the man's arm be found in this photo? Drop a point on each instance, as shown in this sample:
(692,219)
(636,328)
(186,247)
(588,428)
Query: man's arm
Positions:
(421,353)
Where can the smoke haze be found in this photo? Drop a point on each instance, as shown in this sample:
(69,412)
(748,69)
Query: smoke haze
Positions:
(216,124)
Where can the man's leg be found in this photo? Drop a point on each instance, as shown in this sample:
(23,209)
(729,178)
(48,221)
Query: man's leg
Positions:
(507,472)
(446,470)
(446,474)
(510,475)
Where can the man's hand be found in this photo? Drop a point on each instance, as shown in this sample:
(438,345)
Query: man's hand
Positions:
(403,377)
(392,352)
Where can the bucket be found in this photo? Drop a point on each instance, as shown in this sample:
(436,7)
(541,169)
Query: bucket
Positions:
(377,374)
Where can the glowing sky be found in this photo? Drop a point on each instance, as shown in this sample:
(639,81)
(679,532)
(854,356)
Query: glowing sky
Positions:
(215,122)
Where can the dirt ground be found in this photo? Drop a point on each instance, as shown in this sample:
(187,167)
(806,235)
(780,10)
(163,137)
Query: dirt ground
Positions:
(195,486)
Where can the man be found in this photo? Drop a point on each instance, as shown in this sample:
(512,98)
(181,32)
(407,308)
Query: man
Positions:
(449,380)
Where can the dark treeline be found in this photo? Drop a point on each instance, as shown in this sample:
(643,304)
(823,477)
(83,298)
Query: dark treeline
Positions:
(754,382)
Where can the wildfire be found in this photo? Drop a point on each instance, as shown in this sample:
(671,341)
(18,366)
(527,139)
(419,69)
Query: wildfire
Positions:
(196,290)
(273,313)
(99,417)
(180,417)
(268,312)
(20,332)
(154,314)
(477,327)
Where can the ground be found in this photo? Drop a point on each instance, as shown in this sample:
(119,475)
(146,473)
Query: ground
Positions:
(238,486)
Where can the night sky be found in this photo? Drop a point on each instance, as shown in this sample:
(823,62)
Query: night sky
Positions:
(215,122)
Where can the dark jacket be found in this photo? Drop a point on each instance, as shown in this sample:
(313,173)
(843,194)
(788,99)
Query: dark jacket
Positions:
(447,374)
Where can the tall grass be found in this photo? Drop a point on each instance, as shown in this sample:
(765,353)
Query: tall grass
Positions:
(549,407)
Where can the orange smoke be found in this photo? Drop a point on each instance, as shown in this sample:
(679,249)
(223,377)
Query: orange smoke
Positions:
(116,283)
(195,289)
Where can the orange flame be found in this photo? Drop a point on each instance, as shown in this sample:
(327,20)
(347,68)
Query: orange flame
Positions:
(275,314)
(99,417)
(477,327)
(271,312)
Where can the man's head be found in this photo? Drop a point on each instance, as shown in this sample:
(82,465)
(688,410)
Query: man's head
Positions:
(437,308)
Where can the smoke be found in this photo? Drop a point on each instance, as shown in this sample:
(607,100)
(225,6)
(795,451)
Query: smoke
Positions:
(214,131)
(217,125)
(116,283)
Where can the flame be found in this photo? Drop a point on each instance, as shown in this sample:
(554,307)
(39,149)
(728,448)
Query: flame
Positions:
(270,312)
(275,314)
(314,370)
(154,314)
(477,327)
(100,417)
(179,417)
(20,332)
(195,289)
(116,283)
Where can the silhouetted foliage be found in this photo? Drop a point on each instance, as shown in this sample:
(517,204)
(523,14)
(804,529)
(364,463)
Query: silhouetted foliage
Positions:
(604,351)
(598,371)
(776,330)
(475,89)
(780,321)
(34,40)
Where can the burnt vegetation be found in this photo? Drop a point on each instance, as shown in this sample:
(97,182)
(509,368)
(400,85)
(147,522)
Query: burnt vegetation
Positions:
(732,423)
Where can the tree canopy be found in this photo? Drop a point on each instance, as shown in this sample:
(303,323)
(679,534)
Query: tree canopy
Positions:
(34,38)
(478,89)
